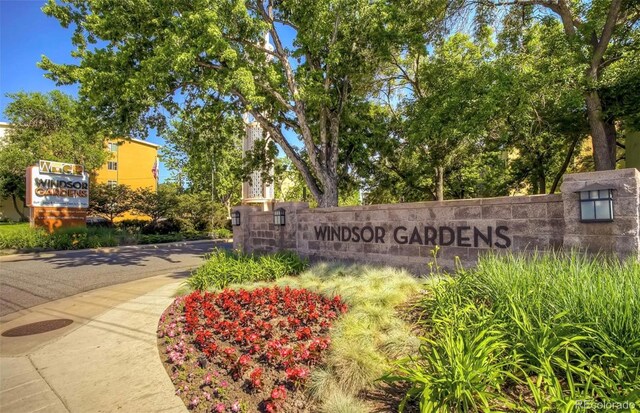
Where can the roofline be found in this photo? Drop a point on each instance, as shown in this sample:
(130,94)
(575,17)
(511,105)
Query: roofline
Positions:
(146,143)
(155,145)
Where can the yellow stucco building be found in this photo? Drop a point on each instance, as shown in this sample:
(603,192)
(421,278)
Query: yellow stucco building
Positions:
(132,162)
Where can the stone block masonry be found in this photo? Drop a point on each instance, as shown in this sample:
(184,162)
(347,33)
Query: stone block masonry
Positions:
(407,234)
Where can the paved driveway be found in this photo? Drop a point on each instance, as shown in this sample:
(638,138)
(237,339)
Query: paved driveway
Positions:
(27,280)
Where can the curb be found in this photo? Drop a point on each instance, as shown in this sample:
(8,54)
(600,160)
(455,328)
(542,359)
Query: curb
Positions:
(15,253)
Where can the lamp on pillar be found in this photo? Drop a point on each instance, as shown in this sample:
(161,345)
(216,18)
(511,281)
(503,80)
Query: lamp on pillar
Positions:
(279,217)
(235,218)
(596,203)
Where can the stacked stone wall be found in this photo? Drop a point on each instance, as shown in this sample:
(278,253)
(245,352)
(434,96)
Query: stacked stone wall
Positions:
(408,234)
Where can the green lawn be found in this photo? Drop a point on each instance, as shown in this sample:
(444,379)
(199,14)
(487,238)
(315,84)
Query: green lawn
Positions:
(11,228)
(24,238)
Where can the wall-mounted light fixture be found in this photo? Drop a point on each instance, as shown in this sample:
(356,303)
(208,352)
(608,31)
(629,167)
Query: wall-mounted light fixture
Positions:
(235,218)
(279,217)
(596,203)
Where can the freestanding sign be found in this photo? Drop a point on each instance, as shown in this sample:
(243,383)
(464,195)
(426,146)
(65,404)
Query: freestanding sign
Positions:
(57,194)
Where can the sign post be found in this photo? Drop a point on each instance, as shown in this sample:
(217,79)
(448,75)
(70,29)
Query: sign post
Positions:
(57,195)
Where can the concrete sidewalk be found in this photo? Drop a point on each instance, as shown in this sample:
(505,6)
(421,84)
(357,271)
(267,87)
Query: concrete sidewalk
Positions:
(106,361)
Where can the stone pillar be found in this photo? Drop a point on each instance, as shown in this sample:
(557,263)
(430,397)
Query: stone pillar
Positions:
(241,238)
(622,236)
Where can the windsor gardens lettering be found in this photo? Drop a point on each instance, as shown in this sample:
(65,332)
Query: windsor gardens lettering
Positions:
(61,188)
(460,236)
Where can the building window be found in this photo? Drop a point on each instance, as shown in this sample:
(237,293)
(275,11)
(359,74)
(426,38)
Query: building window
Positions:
(113,147)
(112,166)
(112,183)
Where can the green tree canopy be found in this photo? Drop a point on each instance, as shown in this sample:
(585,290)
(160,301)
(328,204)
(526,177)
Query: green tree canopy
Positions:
(49,126)
(204,148)
(111,201)
(143,61)
(155,203)
(597,35)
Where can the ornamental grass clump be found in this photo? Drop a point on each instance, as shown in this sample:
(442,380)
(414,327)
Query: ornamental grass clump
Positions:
(367,339)
(528,333)
(223,268)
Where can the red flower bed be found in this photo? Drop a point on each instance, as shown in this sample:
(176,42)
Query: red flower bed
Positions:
(243,350)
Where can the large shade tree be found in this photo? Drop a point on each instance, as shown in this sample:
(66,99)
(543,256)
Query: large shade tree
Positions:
(541,107)
(49,126)
(141,62)
(599,33)
(204,148)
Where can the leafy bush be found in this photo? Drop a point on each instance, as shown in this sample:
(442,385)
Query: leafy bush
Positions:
(222,233)
(562,327)
(110,201)
(223,268)
(26,238)
(164,227)
(197,212)
(132,224)
(159,238)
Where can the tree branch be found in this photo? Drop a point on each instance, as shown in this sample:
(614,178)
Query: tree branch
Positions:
(559,7)
(605,37)
(278,96)
(279,138)
(299,107)
(254,46)
(405,75)
(208,65)
(565,164)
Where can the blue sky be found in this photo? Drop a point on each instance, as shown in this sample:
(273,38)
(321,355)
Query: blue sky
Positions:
(26,34)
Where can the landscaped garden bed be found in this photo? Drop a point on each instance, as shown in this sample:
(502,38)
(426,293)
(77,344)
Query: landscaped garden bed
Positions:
(246,350)
(23,238)
(516,334)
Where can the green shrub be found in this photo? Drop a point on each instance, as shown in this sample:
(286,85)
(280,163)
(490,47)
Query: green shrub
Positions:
(197,212)
(167,226)
(23,237)
(562,326)
(222,233)
(159,238)
(132,224)
(223,268)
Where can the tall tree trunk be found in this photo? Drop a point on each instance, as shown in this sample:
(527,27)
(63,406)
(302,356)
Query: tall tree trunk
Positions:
(565,164)
(23,217)
(227,204)
(542,183)
(440,187)
(329,197)
(603,134)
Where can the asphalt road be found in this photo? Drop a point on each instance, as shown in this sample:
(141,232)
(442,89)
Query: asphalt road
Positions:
(27,280)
